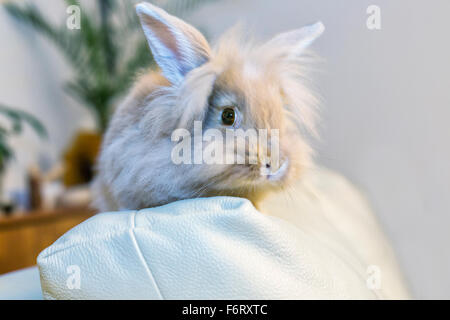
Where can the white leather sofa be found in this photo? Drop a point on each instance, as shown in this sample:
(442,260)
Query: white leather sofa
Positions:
(320,241)
(21,285)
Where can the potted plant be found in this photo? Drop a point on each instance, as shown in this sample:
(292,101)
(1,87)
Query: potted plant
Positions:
(105,55)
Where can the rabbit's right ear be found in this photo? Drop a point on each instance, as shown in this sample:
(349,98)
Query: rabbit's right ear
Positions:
(296,41)
(177,47)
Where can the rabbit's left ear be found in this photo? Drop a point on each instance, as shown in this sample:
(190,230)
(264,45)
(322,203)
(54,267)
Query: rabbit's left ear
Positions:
(298,40)
(177,47)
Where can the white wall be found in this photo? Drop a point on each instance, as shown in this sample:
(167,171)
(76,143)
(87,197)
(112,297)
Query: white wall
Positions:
(386,108)
(386,113)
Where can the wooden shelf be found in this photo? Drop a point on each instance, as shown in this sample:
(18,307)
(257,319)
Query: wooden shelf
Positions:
(24,236)
(41,216)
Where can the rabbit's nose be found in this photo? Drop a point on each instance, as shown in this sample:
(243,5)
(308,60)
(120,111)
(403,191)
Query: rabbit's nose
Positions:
(279,172)
(274,171)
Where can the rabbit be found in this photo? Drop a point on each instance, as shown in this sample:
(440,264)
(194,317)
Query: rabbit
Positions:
(236,84)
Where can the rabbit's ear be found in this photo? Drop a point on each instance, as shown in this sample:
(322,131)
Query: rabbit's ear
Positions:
(298,40)
(177,47)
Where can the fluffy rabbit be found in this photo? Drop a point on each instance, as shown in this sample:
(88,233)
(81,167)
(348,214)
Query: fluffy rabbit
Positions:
(237,84)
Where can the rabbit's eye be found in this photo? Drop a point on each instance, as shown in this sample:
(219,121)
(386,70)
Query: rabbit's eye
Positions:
(228,116)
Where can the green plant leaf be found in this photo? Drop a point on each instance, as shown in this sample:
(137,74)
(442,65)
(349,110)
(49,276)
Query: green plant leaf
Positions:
(105,54)
(18,118)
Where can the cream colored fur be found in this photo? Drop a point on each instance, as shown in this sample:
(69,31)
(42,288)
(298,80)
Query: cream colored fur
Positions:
(266,83)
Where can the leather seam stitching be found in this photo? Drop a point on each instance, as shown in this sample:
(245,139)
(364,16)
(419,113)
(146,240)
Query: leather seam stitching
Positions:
(141,256)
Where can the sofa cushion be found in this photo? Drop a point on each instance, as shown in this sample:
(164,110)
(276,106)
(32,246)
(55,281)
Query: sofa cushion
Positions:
(215,248)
